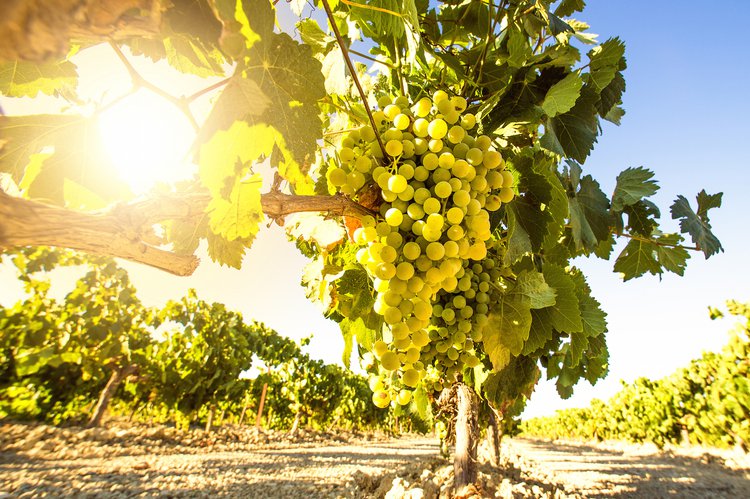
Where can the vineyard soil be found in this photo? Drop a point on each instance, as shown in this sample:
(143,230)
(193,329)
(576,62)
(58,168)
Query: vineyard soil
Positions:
(140,461)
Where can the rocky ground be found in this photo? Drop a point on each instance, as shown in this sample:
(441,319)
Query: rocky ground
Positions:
(142,461)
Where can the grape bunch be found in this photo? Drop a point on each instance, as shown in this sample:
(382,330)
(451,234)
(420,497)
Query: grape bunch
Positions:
(427,251)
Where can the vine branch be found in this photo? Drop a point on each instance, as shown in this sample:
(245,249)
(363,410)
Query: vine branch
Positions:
(353,72)
(126,230)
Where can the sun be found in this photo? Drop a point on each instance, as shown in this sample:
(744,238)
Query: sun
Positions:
(148,140)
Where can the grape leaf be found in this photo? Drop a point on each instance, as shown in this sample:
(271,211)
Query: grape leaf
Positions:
(225,252)
(562,96)
(79,155)
(507,329)
(240,99)
(565,314)
(532,285)
(611,95)
(188,56)
(697,224)
(238,216)
(568,7)
(519,49)
(633,184)
(517,379)
(573,134)
(290,77)
(27,79)
(540,333)
(605,61)
(637,258)
(670,256)
(589,215)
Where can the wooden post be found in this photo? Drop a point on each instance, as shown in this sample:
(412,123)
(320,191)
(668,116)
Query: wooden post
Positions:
(119,373)
(262,403)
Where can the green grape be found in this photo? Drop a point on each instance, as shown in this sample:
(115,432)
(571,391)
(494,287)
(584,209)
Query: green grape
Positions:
(421,173)
(381,399)
(394,240)
(421,195)
(392,315)
(337,176)
(420,127)
(455,233)
(506,194)
(385,271)
(388,254)
(474,156)
(389,361)
(443,189)
(400,331)
(422,107)
(415,284)
(367,133)
(446,160)
(403,397)
(415,211)
(394,147)
(408,149)
(410,377)
(435,251)
(384,100)
(445,106)
(437,129)
(391,111)
(440,175)
(452,117)
(492,159)
(401,121)
(435,221)
(346,154)
(468,121)
(394,217)
(451,249)
(392,133)
(440,95)
(435,145)
(407,195)
(507,178)
(493,202)
(456,134)
(398,183)
(417,227)
(430,161)
(404,270)
(456,184)
(460,150)
(431,205)
(461,198)
(421,146)
(482,142)
(459,103)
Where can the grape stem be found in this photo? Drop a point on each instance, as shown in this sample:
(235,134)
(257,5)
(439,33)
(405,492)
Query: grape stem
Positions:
(353,72)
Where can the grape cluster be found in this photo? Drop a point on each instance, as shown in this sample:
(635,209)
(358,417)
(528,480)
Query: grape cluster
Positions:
(427,252)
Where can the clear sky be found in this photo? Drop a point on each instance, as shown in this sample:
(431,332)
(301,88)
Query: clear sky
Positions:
(686,103)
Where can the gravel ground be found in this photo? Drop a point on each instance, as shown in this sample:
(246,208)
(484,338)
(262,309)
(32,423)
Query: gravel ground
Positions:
(142,461)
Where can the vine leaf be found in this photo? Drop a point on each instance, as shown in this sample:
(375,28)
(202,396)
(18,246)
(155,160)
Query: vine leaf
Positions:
(605,60)
(568,7)
(697,223)
(240,99)
(27,79)
(518,378)
(633,184)
(238,216)
(565,314)
(72,149)
(636,259)
(589,215)
(573,134)
(507,329)
(562,96)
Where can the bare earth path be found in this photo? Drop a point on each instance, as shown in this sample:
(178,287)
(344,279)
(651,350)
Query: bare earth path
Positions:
(308,472)
(42,461)
(633,471)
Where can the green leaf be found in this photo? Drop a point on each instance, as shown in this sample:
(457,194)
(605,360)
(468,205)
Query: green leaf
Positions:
(290,77)
(27,79)
(240,99)
(540,333)
(697,224)
(672,258)
(636,259)
(565,314)
(589,215)
(187,56)
(517,379)
(562,96)
(568,7)
(311,34)
(611,96)
(532,285)
(358,330)
(642,217)
(519,50)
(507,329)
(238,216)
(573,134)
(79,155)
(605,61)
(633,185)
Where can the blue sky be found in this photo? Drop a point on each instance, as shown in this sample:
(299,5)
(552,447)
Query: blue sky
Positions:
(686,118)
